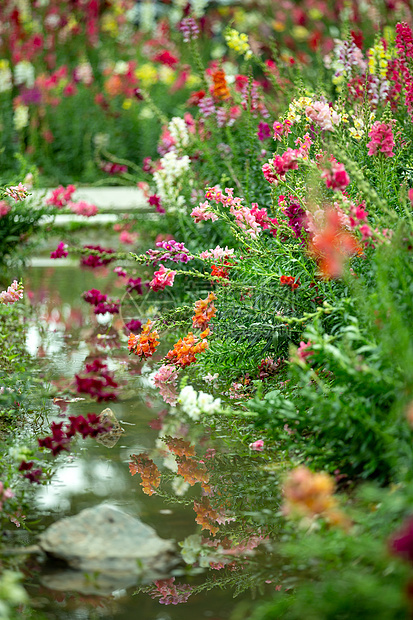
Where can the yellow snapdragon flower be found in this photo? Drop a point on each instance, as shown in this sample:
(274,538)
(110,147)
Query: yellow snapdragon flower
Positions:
(238,41)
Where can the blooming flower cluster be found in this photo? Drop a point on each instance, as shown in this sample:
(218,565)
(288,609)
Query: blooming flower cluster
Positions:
(203,212)
(204,311)
(185,350)
(332,245)
(336,177)
(381,139)
(206,515)
(194,403)
(290,281)
(166,380)
(61,437)
(101,302)
(308,494)
(217,253)
(17,192)
(169,178)
(150,474)
(98,258)
(173,251)
(96,380)
(238,42)
(13,293)
(83,208)
(60,251)
(146,344)
(322,115)
(61,196)
(162,278)
(170,593)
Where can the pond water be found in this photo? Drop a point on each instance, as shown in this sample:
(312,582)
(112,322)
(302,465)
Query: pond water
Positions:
(63,335)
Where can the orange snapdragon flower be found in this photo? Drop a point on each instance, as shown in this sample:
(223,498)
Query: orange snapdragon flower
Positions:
(204,311)
(146,343)
(220,88)
(332,245)
(206,515)
(150,474)
(184,351)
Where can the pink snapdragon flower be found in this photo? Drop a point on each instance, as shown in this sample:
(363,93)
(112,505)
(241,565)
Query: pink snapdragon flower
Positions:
(258,445)
(162,278)
(336,178)
(83,208)
(281,129)
(4,208)
(304,350)
(322,115)
(61,196)
(166,379)
(128,237)
(246,221)
(5,493)
(17,192)
(60,251)
(382,139)
(263,219)
(202,212)
(13,293)
(276,169)
(217,254)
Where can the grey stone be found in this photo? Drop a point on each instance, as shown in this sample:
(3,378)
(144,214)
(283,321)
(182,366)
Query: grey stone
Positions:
(105,539)
(112,437)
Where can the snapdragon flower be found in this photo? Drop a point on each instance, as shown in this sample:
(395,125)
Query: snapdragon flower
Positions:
(12,294)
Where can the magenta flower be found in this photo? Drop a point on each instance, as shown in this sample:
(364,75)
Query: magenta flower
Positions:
(155,201)
(401,542)
(264,131)
(162,278)
(93,260)
(134,326)
(382,139)
(33,475)
(60,251)
(96,380)
(336,178)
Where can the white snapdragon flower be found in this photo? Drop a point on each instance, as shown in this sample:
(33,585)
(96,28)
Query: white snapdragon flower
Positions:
(21,117)
(24,73)
(179,131)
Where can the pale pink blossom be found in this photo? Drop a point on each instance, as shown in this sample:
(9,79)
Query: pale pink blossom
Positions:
(17,192)
(162,278)
(166,379)
(246,221)
(203,212)
(13,293)
(322,115)
(83,208)
(258,445)
(217,253)
(128,237)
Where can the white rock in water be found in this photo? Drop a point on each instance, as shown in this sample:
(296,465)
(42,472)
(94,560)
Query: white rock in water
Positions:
(104,539)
